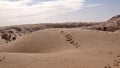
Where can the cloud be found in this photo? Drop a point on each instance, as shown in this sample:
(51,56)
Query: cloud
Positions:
(11,0)
(19,12)
(92,5)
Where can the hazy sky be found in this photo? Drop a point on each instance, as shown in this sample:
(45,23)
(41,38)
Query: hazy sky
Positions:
(14,12)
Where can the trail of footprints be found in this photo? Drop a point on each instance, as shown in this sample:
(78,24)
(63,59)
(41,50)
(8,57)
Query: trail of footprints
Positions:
(2,58)
(70,39)
(115,63)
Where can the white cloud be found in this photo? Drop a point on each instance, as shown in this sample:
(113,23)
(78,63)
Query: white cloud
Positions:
(18,11)
(92,5)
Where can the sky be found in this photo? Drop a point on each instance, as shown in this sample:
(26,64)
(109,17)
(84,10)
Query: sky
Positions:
(16,12)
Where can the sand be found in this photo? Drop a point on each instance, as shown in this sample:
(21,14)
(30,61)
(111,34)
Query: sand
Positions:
(63,48)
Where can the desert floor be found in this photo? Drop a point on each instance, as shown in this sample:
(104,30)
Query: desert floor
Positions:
(62,48)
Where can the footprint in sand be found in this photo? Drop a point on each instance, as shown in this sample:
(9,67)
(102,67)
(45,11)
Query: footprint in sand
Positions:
(107,66)
(118,55)
(69,39)
(2,58)
(116,63)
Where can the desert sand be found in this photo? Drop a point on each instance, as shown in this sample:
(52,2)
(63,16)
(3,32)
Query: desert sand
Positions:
(62,48)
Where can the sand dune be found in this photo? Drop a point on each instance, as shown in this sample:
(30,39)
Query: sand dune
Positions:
(62,48)
(40,41)
(51,39)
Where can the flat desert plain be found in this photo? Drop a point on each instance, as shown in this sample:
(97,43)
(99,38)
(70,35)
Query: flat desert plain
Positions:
(62,48)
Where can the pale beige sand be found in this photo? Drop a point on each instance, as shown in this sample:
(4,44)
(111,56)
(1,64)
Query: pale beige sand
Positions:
(117,31)
(49,49)
(2,42)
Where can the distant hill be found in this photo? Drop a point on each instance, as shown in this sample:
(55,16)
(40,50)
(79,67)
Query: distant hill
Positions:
(112,24)
(26,29)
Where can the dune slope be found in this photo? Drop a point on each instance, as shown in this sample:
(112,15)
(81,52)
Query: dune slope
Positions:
(62,48)
(40,41)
